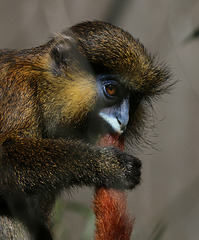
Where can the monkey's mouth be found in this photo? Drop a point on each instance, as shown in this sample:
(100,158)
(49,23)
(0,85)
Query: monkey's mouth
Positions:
(98,128)
(106,136)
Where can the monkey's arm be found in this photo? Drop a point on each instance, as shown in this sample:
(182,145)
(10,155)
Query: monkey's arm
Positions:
(46,164)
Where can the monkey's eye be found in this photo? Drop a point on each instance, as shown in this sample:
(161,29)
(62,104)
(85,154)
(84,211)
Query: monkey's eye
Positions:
(109,88)
(112,90)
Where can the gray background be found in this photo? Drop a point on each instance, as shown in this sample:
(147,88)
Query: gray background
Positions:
(169,193)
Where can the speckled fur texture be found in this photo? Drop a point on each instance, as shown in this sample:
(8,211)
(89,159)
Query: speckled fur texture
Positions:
(46,95)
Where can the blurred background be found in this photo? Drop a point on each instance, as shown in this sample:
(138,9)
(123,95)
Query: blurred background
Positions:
(166,204)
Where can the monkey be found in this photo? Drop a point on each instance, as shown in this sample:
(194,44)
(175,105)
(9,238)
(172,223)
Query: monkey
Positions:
(56,101)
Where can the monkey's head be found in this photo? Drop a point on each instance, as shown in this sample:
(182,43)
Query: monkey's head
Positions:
(100,80)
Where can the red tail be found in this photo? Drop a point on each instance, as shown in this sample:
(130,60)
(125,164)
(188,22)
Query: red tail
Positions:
(112,220)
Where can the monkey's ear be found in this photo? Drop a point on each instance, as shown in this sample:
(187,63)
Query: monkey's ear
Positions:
(60,53)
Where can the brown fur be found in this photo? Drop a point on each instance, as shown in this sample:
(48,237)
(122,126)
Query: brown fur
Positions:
(46,95)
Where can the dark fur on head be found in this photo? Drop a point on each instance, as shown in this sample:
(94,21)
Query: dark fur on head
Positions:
(110,49)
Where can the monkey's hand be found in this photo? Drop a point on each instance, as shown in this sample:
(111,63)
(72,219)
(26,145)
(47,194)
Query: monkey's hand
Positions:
(118,169)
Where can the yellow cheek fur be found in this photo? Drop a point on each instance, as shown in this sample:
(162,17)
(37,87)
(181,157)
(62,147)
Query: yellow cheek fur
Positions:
(79,97)
(70,98)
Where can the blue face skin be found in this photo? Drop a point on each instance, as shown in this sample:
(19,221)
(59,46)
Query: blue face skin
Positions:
(113,103)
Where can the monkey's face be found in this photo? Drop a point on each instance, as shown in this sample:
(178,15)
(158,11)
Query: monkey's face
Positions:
(114,105)
(90,105)
(101,79)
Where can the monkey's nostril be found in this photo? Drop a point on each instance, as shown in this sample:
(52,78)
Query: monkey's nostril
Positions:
(119,121)
(122,126)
